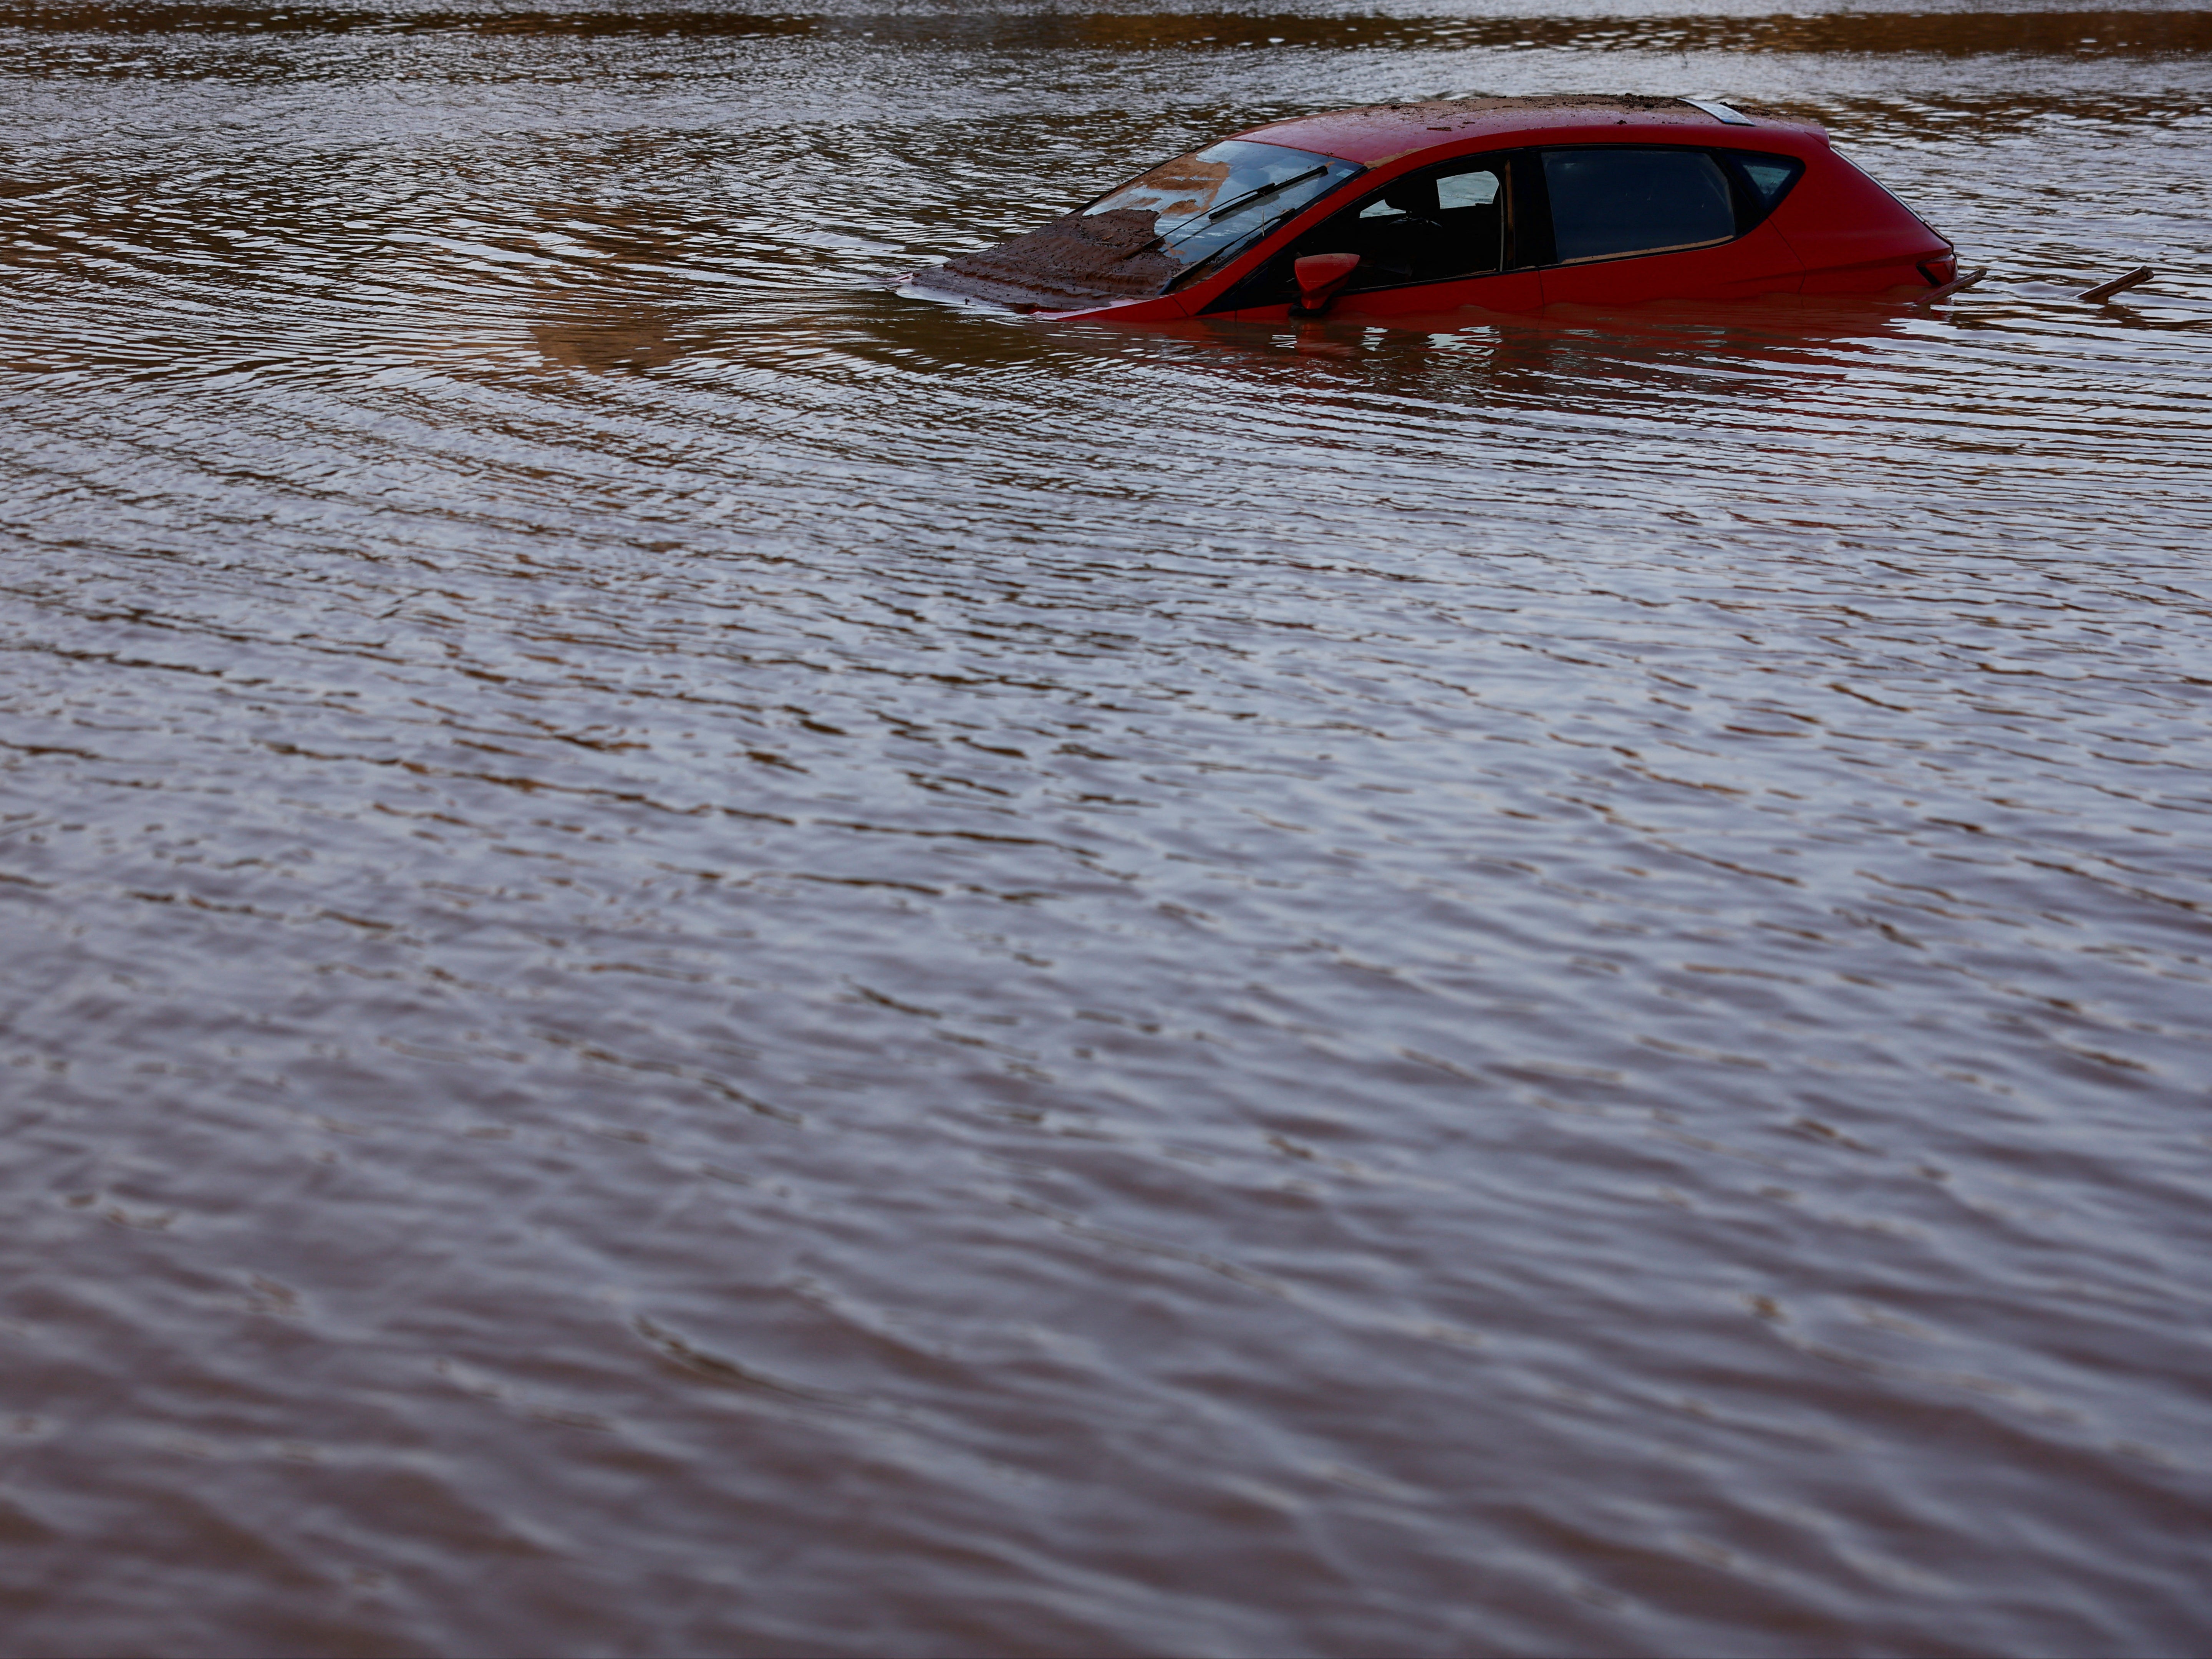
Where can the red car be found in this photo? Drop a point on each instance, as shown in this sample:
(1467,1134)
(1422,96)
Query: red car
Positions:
(1507,203)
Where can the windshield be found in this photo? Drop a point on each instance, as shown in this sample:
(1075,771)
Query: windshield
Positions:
(1183,218)
(1216,199)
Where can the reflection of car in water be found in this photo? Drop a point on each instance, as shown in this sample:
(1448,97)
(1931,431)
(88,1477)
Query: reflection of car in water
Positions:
(1507,203)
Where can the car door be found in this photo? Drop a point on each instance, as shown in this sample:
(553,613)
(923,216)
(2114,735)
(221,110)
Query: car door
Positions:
(1435,239)
(1641,222)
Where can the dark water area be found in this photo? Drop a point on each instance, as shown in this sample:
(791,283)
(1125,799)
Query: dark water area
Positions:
(694,959)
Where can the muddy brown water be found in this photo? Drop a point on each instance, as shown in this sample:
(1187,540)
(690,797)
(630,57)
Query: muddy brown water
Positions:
(696,960)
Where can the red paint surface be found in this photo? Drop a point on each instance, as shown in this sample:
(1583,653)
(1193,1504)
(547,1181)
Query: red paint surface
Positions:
(1321,275)
(1760,262)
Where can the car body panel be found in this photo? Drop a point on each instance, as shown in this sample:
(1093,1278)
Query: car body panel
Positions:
(1855,237)
(1509,290)
(1834,231)
(1760,263)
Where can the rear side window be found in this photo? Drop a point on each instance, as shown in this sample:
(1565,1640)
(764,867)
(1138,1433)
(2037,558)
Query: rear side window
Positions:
(1771,177)
(1606,203)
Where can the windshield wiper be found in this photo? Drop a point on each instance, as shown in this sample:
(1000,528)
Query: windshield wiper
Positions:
(1253,195)
(1188,226)
(1238,204)
(1232,247)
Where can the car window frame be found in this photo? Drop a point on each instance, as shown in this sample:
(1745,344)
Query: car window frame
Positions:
(1752,208)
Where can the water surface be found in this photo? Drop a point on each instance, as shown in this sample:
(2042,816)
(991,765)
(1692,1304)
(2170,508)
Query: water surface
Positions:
(697,960)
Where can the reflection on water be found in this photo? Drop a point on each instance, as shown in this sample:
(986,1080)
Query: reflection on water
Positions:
(2078,32)
(636,340)
(700,960)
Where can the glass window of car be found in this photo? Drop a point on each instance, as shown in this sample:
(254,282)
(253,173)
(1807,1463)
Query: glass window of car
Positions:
(1429,226)
(1214,201)
(1771,176)
(1477,189)
(1615,201)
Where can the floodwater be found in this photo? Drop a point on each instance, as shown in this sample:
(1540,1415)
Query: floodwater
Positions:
(696,960)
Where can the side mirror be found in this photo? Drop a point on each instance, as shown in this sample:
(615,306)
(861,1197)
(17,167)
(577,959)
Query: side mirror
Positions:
(1318,276)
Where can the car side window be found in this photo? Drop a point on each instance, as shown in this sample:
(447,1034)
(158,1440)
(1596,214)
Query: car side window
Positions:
(1609,202)
(1430,225)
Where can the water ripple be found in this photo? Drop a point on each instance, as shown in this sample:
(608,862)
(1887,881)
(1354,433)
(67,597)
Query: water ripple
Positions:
(701,960)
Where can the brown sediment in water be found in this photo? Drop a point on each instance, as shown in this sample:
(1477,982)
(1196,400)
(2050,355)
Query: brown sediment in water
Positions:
(679,937)
(1080,259)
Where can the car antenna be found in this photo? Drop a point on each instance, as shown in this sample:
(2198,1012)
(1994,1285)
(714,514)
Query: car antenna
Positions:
(2105,291)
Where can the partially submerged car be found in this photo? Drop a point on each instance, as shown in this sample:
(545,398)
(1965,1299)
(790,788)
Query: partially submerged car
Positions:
(1504,203)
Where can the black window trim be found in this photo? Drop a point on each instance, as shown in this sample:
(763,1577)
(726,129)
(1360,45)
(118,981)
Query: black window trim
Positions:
(1532,245)
(1753,210)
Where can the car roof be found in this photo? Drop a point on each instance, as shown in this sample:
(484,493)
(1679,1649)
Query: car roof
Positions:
(1382,133)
